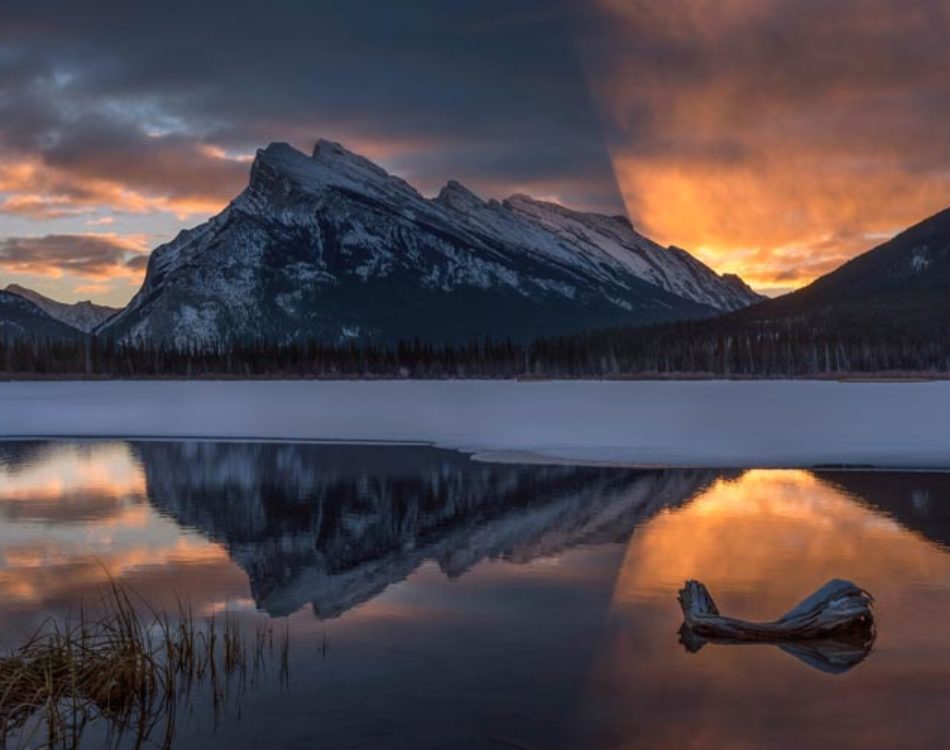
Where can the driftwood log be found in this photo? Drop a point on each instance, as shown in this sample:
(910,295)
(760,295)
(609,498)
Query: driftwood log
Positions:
(836,607)
(832,630)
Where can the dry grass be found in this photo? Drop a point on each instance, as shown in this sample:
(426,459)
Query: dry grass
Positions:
(126,669)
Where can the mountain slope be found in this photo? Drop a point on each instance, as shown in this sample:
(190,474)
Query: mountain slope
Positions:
(84,316)
(901,285)
(597,240)
(332,248)
(886,311)
(21,319)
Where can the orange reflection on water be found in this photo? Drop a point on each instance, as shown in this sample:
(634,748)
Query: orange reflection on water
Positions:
(106,470)
(742,536)
(73,516)
(36,575)
(761,543)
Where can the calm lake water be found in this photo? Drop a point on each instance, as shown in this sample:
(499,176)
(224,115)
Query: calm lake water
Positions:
(437,602)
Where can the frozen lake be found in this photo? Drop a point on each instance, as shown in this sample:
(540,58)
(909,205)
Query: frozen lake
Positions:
(699,424)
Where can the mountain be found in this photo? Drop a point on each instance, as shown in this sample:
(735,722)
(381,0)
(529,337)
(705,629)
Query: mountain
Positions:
(885,311)
(21,319)
(333,248)
(85,316)
(902,285)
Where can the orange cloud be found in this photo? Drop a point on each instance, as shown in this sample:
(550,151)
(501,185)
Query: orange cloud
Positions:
(773,139)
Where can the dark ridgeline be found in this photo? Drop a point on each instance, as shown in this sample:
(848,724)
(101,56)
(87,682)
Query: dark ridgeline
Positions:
(84,316)
(22,320)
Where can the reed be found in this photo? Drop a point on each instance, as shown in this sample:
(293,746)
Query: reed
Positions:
(126,665)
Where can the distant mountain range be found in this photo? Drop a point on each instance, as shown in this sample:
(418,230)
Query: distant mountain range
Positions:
(84,316)
(21,318)
(330,247)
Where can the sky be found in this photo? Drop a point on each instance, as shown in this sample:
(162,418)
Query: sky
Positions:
(771,138)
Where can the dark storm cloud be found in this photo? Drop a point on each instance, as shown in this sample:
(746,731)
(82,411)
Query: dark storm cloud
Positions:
(144,94)
(174,165)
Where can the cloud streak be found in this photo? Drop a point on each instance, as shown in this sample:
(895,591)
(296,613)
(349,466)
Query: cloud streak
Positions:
(92,257)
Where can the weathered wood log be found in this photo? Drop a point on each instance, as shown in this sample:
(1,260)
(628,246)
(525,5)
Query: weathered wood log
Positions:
(837,607)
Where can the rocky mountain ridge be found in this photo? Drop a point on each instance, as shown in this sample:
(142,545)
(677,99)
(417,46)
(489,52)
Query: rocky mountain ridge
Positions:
(330,247)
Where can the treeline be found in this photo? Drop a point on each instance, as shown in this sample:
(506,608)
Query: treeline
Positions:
(699,349)
(93,358)
(752,349)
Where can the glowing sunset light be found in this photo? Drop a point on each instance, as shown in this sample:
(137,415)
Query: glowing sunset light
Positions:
(775,139)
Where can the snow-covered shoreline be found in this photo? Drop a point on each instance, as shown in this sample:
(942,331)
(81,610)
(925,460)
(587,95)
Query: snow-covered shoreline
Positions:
(657,423)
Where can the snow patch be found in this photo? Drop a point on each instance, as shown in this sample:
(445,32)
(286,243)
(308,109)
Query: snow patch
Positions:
(920,260)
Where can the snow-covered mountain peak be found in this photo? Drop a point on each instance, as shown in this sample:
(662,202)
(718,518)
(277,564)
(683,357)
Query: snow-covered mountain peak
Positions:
(331,149)
(280,169)
(459,197)
(520,199)
(331,247)
(283,159)
(334,157)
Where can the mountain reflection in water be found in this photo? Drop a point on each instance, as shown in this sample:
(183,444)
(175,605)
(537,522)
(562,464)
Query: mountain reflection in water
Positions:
(552,588)
(335,525)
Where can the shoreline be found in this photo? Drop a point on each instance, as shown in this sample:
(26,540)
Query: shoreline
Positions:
(522,458)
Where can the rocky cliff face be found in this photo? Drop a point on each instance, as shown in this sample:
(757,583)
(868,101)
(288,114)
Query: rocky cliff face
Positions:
(330,247)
